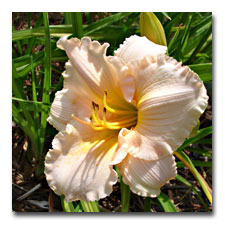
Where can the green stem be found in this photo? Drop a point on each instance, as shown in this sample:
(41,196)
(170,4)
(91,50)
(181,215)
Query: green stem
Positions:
(125,194)
(147,204)
(90,206)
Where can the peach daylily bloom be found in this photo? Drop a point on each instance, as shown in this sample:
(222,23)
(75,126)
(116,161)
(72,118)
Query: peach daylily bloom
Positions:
(132,110)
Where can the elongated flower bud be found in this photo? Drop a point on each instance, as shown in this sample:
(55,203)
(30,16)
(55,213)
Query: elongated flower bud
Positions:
(151,27)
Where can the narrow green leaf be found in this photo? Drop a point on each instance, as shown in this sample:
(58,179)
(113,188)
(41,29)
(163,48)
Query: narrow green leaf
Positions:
(78,208)
(200,44)
(18,43)
(32,105)
(105,22)
(185,37)
(34,97)
(18,92)
(166,15)
(203,152)
(201,133)
(196,163)
(32,40)
(90,206)
(35,62)
(187,161)
(171,47)
(77,24)
(40,31)
(174,22)
(67,18)
(88,17)
(67,206)
(47,81)
(24,125)
(203,70)
(166,203)
(184,181)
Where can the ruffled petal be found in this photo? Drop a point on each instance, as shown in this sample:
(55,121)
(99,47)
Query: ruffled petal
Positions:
(146,177)
(76,98)
(138,145)
(101,73)
(78,165)
(136,47)
(170,99)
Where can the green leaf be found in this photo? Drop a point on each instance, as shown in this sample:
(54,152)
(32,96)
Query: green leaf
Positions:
(196,163)
(24,125)
(201,133)
(203,152)
(90,206)
(200,44)
(67,206)
(184,181)
(173,40)
(32,40)
(166,203)
(203,70)
(185,37)
(18,92)
(32,105)
(47,81)
(77,24)
(166,15)
(187,161)
(105,22)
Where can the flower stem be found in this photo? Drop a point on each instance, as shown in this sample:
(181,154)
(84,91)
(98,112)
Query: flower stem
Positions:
(125,194)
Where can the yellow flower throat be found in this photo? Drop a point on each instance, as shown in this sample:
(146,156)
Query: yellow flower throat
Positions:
(97,123)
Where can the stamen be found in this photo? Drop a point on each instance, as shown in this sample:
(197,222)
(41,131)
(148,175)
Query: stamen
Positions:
(115,110)
(118,125)
(97,114)
(79,120)
(93,116)
(96,127)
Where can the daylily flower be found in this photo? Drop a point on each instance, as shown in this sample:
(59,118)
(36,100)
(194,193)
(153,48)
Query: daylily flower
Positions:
(132,110)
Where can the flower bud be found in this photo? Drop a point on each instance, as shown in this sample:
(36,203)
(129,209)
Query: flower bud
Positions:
(151,27)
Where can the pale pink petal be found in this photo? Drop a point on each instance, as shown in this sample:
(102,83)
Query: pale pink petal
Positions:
(76,98)
(126,80)
(170,99)
(101,73)
(146,177)
(136,47)
(127,143)
(78,165)
(138,145)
